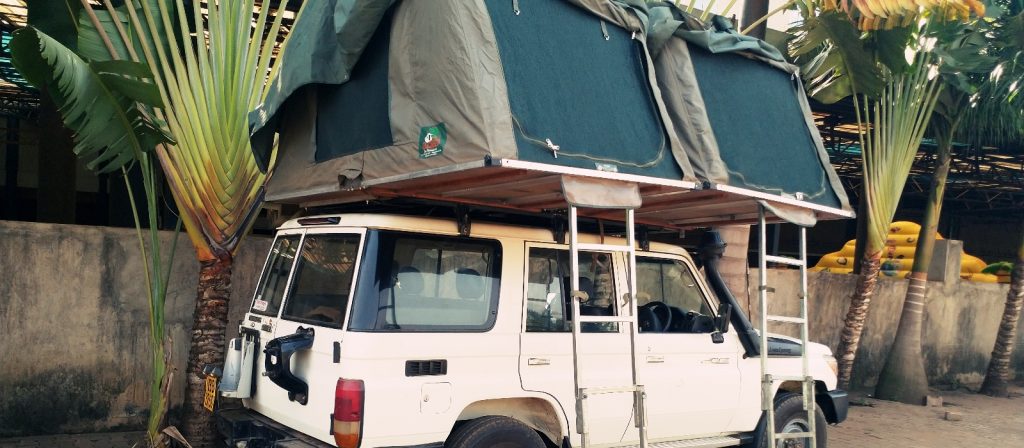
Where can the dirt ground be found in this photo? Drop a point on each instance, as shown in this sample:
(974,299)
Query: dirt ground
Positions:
(986,422)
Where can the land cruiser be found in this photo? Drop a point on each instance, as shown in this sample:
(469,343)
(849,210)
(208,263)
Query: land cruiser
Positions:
(371,330)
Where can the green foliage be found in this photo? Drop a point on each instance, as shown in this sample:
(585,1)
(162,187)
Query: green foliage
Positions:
(56,18)
(835,60)
(98,103)
(90,40)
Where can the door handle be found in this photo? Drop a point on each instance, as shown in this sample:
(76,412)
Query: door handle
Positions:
(715,361)
(538,361)
(655,359)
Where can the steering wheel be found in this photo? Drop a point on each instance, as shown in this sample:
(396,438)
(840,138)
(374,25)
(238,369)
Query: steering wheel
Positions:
(660,313)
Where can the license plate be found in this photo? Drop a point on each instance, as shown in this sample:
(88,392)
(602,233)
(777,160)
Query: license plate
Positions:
(211,392)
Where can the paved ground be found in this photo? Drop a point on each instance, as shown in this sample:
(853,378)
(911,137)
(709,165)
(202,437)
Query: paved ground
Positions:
(986,422)
(99,440)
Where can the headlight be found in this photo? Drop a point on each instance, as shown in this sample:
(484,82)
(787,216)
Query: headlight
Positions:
(832,364)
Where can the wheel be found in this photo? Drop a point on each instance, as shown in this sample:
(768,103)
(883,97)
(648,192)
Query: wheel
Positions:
(791,417)
(494,432)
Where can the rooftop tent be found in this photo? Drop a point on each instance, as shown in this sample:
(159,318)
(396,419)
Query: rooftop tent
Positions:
(441,83)
(740,110)
(492,102)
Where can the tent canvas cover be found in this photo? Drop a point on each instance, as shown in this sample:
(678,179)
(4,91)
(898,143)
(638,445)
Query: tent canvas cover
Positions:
(464,99)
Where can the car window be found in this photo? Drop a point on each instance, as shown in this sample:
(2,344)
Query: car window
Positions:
(430,283)
(548,286)
(668,290)
(270,289)
(323,279)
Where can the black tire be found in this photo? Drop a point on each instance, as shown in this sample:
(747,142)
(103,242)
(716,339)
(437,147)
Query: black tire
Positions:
(790,416)
(494,432)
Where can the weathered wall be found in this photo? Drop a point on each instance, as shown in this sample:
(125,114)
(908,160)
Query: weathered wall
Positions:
(960,322)
(74,351)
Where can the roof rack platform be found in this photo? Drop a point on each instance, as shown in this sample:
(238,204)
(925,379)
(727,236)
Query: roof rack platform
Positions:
(531,187)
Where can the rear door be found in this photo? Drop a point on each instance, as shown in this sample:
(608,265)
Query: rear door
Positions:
(315,302)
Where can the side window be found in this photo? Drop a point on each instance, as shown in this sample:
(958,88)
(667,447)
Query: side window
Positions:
(547,288)
(270,289)
(323,279)
(438,284)
(669,298)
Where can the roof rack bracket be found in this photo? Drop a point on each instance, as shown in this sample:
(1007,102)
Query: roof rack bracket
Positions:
(462,220)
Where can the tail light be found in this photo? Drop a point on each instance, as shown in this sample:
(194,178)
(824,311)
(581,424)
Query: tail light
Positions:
(348,413)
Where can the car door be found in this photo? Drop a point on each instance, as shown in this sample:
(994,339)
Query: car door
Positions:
(313,310)
(546,357)
(692,383)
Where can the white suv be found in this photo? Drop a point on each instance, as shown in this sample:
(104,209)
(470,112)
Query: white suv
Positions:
(371,330)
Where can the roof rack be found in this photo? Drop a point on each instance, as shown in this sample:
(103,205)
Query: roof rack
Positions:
(535,188)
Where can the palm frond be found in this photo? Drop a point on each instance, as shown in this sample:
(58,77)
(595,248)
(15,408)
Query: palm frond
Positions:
(208,86)
(98,103)
(834,61)
(898,120)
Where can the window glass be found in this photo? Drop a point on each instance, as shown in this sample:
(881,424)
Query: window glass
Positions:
(548,286)
(438,284)
(271,287)
(668,287)
(323,279)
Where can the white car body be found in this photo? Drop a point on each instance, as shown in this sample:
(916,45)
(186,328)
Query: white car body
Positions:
(695,388)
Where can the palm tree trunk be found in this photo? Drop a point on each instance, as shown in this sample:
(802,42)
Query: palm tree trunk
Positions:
(998,375)
(210,321)
(853,325)
(903,377)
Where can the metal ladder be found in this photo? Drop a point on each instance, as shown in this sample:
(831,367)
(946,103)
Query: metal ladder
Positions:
(582,393)
(767,378)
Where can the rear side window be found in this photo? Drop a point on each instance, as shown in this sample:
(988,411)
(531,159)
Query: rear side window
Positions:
(271,288)
(428,283)
(323,279)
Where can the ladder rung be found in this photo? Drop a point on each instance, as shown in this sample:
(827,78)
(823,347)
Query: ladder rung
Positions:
(794,435)
(606,319)
(603,247)
(790,378)
(784,260)
(609,390)
(792,320)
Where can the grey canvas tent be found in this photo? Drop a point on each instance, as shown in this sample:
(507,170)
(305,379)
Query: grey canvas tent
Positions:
(492,102)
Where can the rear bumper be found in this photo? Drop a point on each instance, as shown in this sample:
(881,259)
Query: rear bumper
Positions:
(835,404)
(243,427)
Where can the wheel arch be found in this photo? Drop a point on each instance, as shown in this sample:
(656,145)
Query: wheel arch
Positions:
(821,398)
(538,413)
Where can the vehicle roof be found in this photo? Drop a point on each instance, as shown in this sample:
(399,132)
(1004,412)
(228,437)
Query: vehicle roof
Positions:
(448,226)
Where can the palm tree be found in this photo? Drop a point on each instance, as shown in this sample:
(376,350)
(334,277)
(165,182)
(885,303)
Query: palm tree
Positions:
(964,50)
(1005,109)
(202,90)
(857,50)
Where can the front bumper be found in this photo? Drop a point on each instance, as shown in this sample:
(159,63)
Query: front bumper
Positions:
(834,404)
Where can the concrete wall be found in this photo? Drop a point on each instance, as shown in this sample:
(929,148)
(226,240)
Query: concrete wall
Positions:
(960,322)
(74,351)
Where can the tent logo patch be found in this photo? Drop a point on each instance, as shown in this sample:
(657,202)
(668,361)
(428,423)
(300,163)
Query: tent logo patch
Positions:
(432,140)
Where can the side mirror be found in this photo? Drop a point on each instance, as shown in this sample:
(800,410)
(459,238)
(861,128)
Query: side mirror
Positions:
(724,316)
(722,323)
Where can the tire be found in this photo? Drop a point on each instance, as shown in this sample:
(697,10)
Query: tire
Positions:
(494,432)
(791,417)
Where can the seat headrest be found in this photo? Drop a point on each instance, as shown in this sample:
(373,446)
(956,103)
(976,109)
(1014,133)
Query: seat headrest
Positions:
(469,283)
